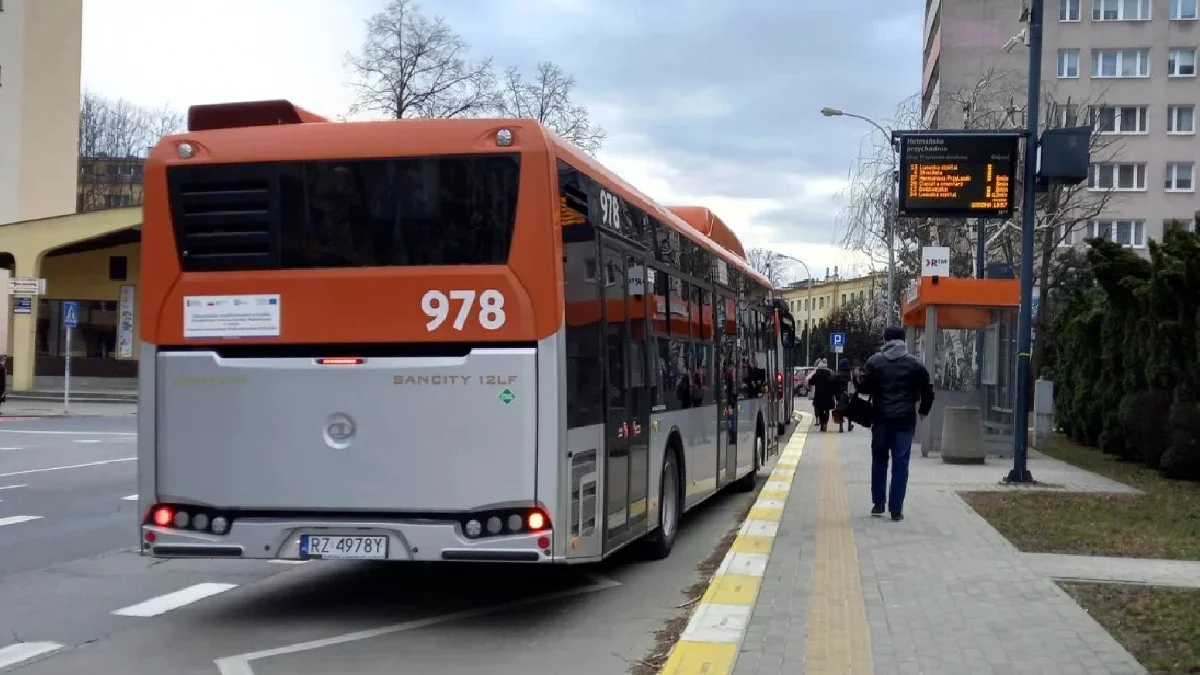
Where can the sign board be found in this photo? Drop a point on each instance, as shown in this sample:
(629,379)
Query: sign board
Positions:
(958,175)
(125,304)
(837,340)
(22,305)
(935,261)
(26,286)
(70,313)
(231,316)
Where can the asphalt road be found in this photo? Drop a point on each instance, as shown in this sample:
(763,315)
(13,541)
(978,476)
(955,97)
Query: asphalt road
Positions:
(76,599)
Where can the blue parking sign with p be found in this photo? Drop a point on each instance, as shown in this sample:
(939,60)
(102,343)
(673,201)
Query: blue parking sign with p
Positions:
(70,313)
(837,340)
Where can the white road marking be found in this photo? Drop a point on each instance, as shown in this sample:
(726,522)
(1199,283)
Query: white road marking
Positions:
(68,433)
(88,440)
(23,651)
(69,466)
(17,520)
(239,664)
(12,448)
(165,603)
(129,498)
(12,487)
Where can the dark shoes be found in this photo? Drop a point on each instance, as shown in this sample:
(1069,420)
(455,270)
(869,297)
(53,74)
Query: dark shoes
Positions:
(877,510)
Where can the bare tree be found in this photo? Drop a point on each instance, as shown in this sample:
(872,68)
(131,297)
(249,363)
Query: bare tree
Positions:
(771,265)
(547,98)
(114,137)
(411,65)
(1062,212)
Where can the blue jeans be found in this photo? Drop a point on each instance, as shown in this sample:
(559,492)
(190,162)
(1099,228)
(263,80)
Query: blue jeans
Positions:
(896,441)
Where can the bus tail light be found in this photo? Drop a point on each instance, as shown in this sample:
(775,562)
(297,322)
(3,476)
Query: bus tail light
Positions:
(164,516)
(341,361)
(504,522)
(194,519)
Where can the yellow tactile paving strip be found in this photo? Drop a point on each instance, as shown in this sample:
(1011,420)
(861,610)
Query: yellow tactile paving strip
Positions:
(709,645)
(839,638)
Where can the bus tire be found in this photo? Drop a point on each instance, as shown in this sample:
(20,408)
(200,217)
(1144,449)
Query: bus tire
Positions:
(670,505)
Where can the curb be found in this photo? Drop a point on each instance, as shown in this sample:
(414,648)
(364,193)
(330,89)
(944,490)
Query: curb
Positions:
(715,632)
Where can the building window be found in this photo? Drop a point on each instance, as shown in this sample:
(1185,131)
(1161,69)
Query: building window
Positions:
(1181,62)
(1185,224)
(1183,10)
(1117,176)
(1068,63)
(1120,119)
(1181,119)
(1120,10)
(1181,177)
(1130,233)
(1067,115)
(1068,10)
(1072,234)
(1121,63)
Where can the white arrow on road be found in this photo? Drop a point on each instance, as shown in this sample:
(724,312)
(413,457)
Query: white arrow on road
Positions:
(239,664)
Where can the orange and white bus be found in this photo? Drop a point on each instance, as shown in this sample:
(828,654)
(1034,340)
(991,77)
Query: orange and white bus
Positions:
(431,340)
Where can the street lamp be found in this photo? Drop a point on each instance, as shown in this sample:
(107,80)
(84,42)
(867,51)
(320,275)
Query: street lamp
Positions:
(808,306)
(889,217)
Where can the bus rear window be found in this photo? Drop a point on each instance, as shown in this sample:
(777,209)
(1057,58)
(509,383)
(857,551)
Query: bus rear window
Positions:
(354,213)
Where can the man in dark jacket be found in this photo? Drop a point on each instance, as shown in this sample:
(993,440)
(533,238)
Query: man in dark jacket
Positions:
(897,383)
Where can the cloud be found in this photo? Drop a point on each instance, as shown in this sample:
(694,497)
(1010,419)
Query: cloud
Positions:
(705,101)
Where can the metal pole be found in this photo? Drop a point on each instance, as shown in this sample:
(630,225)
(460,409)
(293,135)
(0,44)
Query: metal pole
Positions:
(980,264)
(67,375)
(1020,471)
(808,323)
(891,270)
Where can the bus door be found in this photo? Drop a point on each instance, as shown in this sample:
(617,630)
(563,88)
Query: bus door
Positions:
(728,384)
(627,425)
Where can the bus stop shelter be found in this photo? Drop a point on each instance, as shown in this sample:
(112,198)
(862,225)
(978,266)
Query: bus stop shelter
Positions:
(964,331)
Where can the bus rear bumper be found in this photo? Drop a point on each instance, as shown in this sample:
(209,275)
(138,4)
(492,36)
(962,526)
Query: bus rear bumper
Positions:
(278,539)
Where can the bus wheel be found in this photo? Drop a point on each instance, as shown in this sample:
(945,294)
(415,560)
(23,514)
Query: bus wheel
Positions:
(662,540)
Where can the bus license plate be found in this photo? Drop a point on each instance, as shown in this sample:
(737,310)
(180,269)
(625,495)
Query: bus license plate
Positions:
(341,546)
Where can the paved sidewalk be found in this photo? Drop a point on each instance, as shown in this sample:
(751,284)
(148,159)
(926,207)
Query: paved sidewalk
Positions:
(938,593)
(1177,573)
(15,408)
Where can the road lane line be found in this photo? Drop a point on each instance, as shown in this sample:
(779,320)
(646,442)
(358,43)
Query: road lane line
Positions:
(69,466)
(17,520)
(13,448)
(88,440)
(68,433)
(239,664)
(181,598)
(129,498)
(23,651)
(12,487)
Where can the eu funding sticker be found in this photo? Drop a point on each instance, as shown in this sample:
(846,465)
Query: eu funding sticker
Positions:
(230,316)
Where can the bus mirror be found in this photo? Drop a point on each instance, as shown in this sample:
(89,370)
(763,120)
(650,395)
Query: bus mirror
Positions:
(788,338)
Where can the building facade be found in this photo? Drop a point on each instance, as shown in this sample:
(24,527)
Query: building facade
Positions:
(40,51)
(822,300)
(1127,67)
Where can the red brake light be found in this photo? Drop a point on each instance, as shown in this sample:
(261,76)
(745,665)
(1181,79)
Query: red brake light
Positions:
(537,521)
(341,361)
(164,516)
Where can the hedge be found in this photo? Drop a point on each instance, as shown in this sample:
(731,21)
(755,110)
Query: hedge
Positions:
(1128,368)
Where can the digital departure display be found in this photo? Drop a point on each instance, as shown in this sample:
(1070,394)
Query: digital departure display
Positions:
(943,175)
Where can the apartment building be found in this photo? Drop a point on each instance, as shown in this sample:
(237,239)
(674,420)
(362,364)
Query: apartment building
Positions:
(827,295)
(40,51)
(1129,67)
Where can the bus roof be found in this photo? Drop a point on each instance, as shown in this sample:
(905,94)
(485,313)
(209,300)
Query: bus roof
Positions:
(702,234)
(710,225)
(699,224)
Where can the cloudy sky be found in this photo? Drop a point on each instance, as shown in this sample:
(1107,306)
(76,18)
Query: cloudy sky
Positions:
(705,101)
